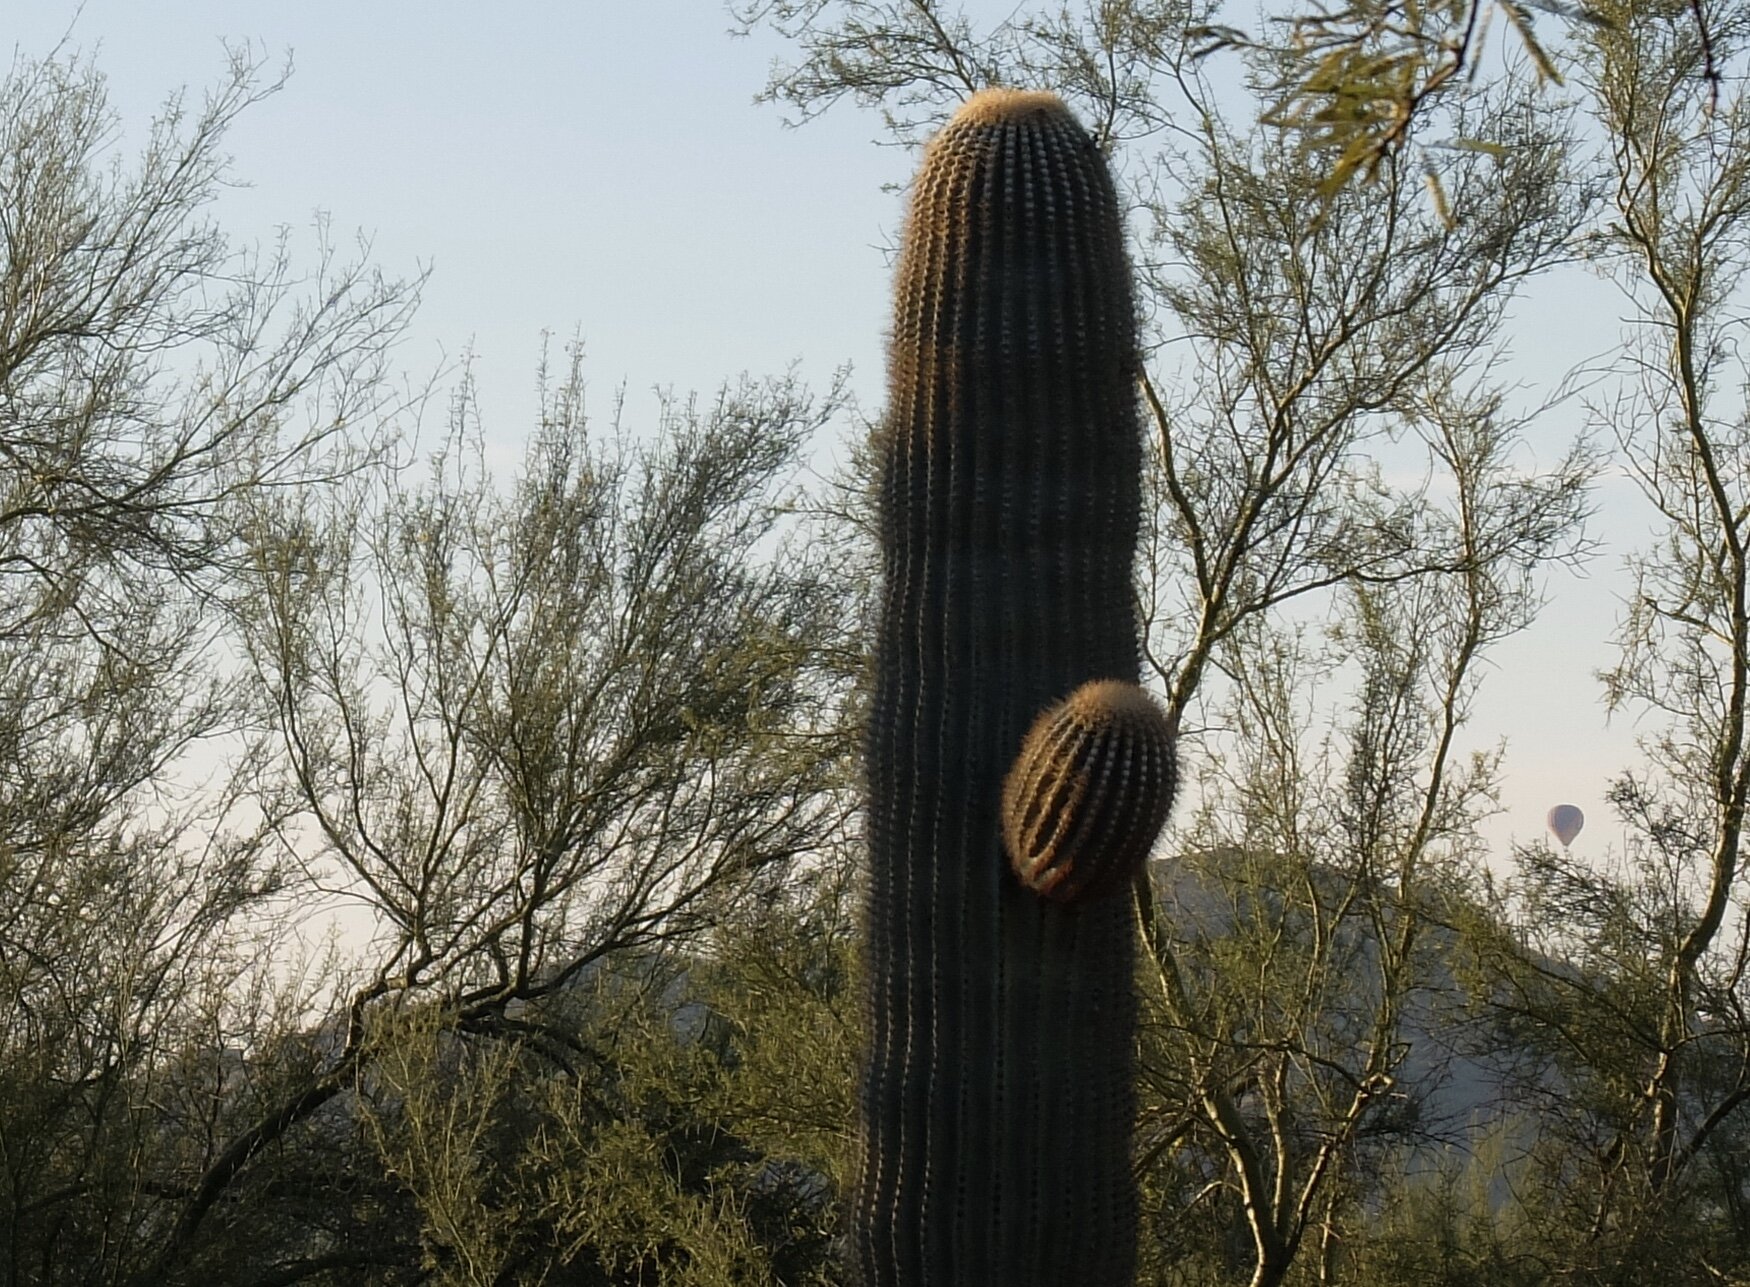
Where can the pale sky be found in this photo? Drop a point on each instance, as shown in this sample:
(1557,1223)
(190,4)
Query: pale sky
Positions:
(599,167)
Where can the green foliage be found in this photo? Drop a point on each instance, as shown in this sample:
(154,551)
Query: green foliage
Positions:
(624,1169)
(256,673)
(1463,1216)
(569,753)
(1354,82)
(150,376)
(785,979)
(1352,86)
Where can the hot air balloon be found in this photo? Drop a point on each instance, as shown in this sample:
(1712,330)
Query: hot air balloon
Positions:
(1565,822)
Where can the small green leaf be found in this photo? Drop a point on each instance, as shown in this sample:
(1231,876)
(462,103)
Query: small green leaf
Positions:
(1500,151)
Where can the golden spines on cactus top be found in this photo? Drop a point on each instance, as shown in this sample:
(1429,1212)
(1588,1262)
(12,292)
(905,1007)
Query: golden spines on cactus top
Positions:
(997,106)
(1014,186)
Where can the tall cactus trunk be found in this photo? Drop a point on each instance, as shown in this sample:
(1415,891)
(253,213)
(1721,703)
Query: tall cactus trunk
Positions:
(998,1096)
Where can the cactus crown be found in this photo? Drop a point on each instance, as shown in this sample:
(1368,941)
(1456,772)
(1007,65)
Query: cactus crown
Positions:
(1013,287)
(997,106)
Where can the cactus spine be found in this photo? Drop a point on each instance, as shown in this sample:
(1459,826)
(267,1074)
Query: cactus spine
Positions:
(997,1098)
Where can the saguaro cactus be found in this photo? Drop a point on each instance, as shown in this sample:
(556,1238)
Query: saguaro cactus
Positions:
(997,1099)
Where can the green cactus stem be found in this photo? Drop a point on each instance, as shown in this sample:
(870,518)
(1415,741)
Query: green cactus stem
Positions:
(997,1099)
(1089,793)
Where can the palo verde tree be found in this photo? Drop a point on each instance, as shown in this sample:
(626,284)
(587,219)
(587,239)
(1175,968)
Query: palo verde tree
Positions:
(1303,1019)
(543,734)
(153,378)
(520,739)
(1645,1016)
